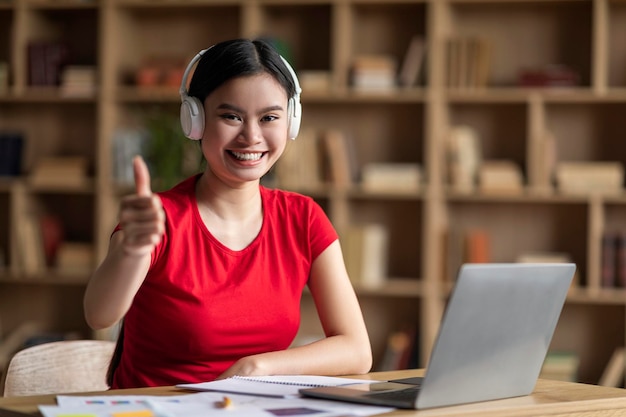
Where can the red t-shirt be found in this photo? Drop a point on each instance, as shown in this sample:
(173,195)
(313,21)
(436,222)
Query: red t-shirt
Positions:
(202,306)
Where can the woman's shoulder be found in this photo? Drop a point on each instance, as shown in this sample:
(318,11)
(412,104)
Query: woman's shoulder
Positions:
(179,194)
(288,199)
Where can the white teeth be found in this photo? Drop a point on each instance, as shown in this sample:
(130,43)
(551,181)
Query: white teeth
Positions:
(248,156)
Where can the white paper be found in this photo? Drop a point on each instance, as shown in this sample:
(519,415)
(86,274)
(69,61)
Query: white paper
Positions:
(205,404)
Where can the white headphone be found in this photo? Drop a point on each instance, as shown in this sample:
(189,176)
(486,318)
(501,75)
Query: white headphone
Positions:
(192,111)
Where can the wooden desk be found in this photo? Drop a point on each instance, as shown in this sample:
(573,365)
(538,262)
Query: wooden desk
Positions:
(550,398)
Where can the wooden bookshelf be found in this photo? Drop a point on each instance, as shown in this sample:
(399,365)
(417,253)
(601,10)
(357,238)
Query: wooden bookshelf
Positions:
(403,125)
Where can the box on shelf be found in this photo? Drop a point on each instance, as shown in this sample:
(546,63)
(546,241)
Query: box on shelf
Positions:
(391,177)
(75,258)
(315,81)
(500,177)
(67,171)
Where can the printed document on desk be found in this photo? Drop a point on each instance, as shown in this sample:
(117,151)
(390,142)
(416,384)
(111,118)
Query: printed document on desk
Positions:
(273,385)
(202,404)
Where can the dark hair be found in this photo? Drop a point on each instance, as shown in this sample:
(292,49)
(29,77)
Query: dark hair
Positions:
(238,58)
(117,356)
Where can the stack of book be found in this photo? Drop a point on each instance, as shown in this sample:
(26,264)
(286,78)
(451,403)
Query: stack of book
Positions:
(590,177)
(374,73)
(78,81)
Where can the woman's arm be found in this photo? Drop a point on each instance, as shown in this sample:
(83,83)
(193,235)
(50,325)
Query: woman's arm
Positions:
(115,282)
(345,349)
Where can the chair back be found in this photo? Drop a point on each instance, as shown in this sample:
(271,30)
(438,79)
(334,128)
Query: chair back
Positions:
(59,367)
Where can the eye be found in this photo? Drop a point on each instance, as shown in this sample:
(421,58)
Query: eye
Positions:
(230,116)
(269,118)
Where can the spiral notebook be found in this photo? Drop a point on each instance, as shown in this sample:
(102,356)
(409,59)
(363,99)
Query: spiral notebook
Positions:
(271,386)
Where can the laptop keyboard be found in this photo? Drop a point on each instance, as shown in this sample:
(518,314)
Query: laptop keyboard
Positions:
(407,394)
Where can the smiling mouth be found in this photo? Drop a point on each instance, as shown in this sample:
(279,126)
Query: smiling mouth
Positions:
(247,156)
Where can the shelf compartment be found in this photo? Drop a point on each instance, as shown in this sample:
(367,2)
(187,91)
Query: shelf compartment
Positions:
(54,27)
(380,125)
(561,34)
(386,28)
(60,130)
(516,228)
(587,132)
(145,35)
(403,222)
(300,32)
(52,308)
(501,132)
(585,330)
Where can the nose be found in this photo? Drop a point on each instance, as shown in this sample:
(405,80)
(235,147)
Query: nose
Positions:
(251,132)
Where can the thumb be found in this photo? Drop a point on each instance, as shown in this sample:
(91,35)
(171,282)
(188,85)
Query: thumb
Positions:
(142,177)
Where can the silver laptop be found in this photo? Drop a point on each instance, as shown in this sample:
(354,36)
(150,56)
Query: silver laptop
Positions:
(492,342)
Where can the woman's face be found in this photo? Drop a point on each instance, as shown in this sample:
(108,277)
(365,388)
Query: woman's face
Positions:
(246,128)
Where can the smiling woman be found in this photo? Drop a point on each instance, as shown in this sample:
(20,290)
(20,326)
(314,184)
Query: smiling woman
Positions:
(208,276)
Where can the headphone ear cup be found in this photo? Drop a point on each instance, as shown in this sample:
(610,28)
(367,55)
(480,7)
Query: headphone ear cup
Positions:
(192,117)
(295,116)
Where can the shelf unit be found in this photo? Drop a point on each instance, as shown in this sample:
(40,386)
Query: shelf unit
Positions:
(408,125)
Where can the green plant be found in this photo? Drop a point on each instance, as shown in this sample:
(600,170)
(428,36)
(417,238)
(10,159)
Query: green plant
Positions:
(169,154)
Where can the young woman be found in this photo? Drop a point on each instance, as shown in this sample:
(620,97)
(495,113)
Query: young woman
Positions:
(208,276)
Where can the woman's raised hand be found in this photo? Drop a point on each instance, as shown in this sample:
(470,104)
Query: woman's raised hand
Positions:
(141,214)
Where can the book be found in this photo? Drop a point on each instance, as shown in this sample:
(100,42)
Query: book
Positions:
(365,248)
(78,81)
(11,150)
(468,62)
(477,246)
(279,386)
(413,62)
(620,259)
(339,158)
(300,165)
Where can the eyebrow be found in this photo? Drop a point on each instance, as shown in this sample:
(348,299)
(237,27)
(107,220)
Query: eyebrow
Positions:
(226,106)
